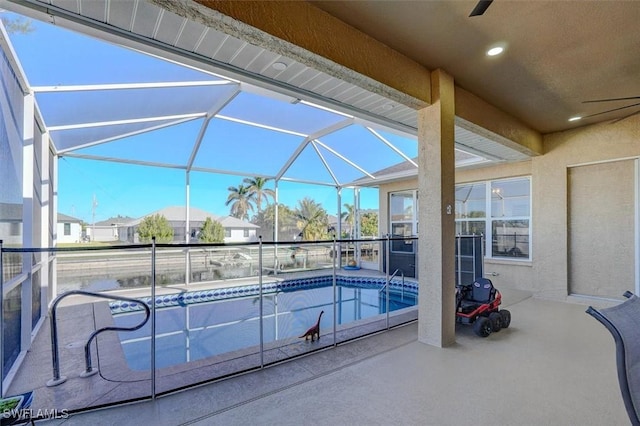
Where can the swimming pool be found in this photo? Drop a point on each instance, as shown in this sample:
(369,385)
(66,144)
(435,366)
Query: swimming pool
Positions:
(196,325)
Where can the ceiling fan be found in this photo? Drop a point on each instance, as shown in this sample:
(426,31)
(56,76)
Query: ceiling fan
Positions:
(615,109)
(481,7)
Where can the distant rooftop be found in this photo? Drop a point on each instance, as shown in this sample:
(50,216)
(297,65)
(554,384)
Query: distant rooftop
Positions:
(177,214)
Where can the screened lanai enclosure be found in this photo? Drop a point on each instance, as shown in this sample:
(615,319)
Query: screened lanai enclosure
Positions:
(143,110)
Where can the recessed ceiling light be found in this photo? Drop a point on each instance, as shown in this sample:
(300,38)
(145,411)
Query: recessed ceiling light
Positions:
(387,107)
(576,118)
(279,66)
(495,51)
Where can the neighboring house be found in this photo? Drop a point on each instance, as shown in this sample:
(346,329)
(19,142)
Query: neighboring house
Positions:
(333,224)
(236,230)
(11,223)
(68,229)
(107,230)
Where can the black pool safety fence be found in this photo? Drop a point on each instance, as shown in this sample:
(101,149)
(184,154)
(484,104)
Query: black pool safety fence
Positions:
(94,325)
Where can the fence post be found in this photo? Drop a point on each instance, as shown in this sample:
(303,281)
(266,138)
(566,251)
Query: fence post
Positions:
(153,318)
(459,258)
(261,302)
(335,341)
(1,321)
(387,267)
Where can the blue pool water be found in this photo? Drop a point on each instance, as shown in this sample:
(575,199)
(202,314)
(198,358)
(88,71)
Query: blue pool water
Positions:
(197,325)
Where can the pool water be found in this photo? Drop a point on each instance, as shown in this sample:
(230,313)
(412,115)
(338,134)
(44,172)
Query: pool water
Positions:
(188,332)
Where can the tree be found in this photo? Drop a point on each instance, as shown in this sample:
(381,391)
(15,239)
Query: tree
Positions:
(265,219)
(369,224)
(256,188)
(212,231)
(18,25)
(312,220)
(155,226)
(241,201)
(349,217)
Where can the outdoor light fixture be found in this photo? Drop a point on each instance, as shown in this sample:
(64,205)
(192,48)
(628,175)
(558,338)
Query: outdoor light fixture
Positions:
(494,51)
(576,118)
(279,66)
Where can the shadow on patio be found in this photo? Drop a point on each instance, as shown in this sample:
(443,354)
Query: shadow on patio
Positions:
(554,365)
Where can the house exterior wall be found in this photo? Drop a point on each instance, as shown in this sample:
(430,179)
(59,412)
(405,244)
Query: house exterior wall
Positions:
(8,230)
(504,273)
(75,235)
(103,233)
(237,236)
(606,141)
(547,273)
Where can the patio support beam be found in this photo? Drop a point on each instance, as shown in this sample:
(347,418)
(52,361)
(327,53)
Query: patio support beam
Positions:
(436,243)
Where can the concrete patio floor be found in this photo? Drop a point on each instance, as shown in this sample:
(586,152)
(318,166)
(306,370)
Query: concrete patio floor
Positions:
(554,365)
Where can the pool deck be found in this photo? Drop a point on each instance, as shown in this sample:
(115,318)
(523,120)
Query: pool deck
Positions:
(554,365)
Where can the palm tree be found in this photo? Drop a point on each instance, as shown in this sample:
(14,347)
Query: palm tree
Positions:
(312,219)
(349,217)
(256,188)
(241,201)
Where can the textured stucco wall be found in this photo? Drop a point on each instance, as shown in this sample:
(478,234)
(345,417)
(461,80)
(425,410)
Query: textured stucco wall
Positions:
(600,228)
(602,142)
(547,273)
(510,131)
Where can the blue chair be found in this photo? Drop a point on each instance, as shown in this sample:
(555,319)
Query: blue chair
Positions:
(623,322)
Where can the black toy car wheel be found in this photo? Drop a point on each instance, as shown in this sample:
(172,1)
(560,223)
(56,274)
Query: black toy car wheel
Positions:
(482,327)
(496,321)
(506,318)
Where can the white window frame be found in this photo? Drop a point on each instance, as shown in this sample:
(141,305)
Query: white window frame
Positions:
(489,219)
(413,221)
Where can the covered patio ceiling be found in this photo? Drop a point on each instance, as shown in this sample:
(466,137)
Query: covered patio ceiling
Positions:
(184,96)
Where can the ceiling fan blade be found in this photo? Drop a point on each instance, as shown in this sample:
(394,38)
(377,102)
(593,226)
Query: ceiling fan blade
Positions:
(612,110)
(612,99)
(481,7)
(625,117)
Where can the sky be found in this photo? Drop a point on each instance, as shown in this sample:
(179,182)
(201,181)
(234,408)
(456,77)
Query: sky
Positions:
(54,56)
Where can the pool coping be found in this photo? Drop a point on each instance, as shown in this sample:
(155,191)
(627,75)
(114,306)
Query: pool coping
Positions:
(186,297)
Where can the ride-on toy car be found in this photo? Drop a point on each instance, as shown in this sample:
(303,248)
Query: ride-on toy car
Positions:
(478,304)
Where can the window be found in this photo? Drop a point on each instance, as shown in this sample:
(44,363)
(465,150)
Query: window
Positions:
(227,232)
(67,229)
(501,209)
(246,233)
(471,209)
(403,211)
(14,229)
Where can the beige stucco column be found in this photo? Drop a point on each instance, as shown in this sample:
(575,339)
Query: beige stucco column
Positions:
(436,245)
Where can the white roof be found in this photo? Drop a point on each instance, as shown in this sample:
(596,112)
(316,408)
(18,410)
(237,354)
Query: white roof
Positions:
(177,214)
